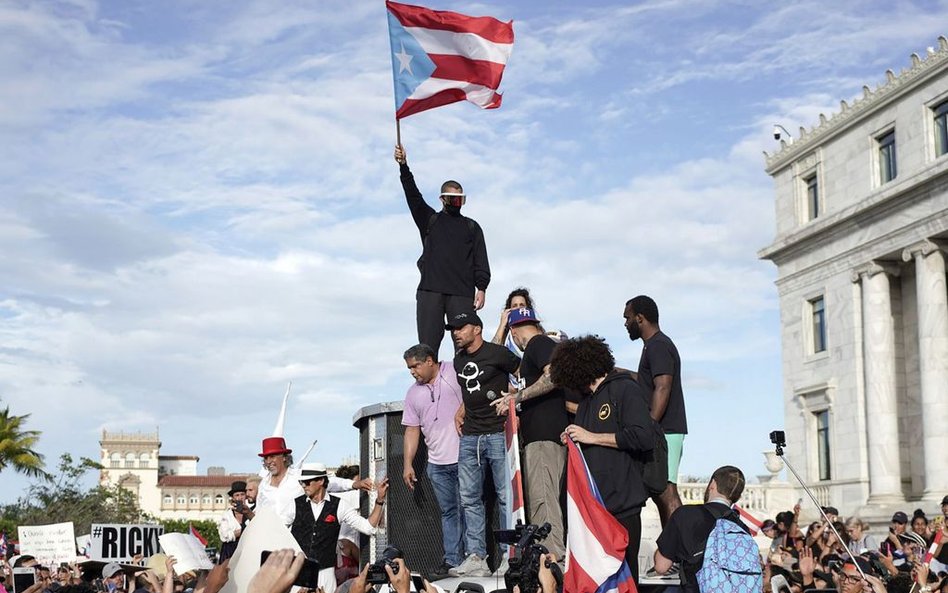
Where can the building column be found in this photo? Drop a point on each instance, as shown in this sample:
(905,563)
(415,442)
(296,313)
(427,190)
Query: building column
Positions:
(885,476)
(932,304)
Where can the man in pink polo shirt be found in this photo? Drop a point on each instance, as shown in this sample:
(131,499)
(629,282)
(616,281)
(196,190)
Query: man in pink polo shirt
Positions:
(430,405)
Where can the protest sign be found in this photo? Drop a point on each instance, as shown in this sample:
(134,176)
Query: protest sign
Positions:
(121,543)
(50,544)
(84,545)
(187,550)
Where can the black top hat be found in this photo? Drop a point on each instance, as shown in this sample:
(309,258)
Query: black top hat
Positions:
(238,486)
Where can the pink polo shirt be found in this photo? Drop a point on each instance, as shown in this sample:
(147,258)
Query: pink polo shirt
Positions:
(432,407)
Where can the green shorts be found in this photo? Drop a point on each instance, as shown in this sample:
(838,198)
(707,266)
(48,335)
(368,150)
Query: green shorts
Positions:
(675,443)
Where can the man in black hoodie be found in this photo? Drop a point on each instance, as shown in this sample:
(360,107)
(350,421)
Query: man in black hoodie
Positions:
(614,426)
(453,264)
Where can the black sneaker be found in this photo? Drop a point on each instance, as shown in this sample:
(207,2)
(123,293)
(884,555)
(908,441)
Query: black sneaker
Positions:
(440,573)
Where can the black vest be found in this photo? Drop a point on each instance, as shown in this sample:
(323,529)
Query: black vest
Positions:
(317,537)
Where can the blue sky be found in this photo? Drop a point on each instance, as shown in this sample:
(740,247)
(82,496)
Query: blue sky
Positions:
(198,203)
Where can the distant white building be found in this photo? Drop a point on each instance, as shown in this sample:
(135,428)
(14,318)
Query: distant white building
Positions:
(862,228)
(167,487)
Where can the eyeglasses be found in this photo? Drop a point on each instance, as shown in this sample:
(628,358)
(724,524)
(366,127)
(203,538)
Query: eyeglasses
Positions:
(307,482)
(851,578)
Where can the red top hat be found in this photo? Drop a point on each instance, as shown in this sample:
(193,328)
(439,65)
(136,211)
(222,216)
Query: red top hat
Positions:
(274,446)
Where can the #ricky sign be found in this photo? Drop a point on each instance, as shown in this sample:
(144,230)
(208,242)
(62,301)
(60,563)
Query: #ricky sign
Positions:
(121,543)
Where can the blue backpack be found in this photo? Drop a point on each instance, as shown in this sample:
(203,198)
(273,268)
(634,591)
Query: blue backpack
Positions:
(731,558)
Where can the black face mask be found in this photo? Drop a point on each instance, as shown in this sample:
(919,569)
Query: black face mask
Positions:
(452,210)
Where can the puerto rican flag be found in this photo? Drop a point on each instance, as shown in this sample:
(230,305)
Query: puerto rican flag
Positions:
(440,57)
(515,509)
(197,535)
(596,542)
(752,523)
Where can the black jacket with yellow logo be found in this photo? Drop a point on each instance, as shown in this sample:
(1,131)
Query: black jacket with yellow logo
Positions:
(618,407)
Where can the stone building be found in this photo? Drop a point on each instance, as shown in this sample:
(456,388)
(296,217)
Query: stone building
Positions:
(167,486)
(862,228)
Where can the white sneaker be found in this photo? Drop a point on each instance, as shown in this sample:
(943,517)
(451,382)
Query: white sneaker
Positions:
(473,566)
(503,568)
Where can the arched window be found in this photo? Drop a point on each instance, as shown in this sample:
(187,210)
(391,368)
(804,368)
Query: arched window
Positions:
(194,499)
(130,460)
(143,459)
(182,499)
(206,500)
(219,499)
(168,499)
(115,460)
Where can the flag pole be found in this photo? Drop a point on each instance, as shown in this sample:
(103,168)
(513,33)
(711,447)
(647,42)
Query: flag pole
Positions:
(398,132)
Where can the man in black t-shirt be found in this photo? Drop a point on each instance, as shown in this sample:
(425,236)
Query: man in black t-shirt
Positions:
(482,369)
(685,535)
(659,375)
(453,264)
(543,418)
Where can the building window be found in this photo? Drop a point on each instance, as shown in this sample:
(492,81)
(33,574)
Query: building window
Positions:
(812,197)
(194,499)
(206,500)
(219,499)
(941,128)
(818,315)
(823,444)
(182,499)
(887,168)
(168,499)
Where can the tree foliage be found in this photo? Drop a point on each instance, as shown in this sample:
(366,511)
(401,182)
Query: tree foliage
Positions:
(16,446)
(61,497)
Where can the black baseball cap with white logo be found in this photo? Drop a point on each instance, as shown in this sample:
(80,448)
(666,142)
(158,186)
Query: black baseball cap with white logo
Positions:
(462,319)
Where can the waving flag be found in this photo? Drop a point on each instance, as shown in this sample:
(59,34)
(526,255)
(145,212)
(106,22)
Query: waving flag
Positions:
(197,535)
(596,541)
(440,57)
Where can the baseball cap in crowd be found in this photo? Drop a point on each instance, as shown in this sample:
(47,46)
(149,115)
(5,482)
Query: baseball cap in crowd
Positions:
(944,500)
(462,319)
(900,517)
(518,316)
(111,569)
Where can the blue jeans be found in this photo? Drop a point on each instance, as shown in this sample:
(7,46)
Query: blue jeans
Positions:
(477,454)
(444,481)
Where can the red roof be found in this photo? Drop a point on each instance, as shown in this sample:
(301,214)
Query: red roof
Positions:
(199,481)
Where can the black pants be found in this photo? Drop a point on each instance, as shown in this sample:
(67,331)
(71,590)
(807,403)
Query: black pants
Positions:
(430,312)
(633,524)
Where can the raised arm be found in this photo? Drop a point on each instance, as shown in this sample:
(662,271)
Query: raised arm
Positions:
(421,212)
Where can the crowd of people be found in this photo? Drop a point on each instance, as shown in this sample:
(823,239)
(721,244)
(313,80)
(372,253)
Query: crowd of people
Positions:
(914,550)
(629,424)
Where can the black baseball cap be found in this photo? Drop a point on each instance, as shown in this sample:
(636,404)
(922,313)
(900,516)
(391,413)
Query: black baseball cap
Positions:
(462,319)
(900,517)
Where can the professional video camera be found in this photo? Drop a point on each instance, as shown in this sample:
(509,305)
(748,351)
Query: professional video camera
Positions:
(376,574)
(525,565)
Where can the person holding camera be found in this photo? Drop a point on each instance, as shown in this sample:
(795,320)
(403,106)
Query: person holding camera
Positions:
(232,521)
(317,519)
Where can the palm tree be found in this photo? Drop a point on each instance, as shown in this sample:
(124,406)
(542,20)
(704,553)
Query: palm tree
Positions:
(16,446)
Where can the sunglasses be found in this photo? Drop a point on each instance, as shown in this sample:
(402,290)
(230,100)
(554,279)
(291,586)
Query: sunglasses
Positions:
(307,482)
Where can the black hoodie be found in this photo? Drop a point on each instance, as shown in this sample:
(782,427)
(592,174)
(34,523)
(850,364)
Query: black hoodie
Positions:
(618,472)
(454,257)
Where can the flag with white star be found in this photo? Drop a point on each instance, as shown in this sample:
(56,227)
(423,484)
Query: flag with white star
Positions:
(440,57)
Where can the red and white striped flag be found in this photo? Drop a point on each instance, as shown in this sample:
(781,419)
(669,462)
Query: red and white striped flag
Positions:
(197,535)
(440,57)
(596,541)
(515,509)
(931,550)
(752,523)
